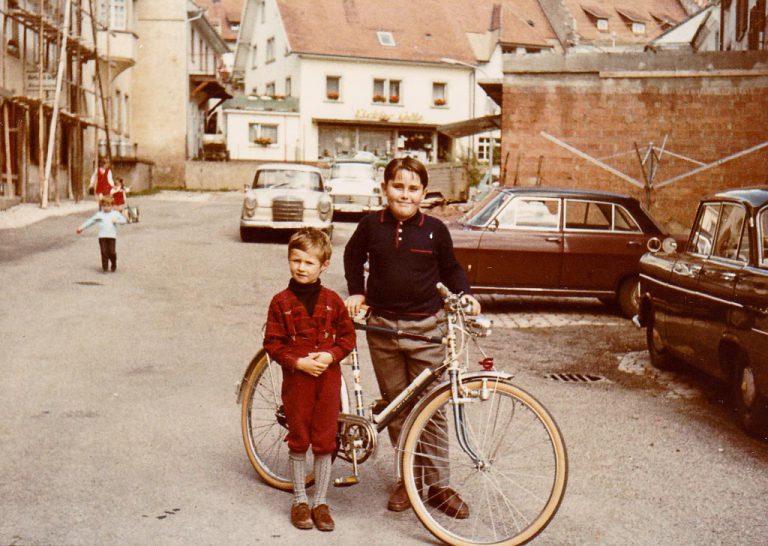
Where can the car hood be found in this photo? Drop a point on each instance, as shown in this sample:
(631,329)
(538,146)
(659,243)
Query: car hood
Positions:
(356,184)
(265,196)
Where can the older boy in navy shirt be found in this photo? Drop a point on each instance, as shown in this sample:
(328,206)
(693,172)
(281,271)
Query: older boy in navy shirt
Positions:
(408,254)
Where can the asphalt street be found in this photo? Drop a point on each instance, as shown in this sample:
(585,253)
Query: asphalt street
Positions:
(120,424)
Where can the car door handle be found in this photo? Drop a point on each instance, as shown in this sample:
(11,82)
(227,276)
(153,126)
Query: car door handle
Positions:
(553,239)
(634,243)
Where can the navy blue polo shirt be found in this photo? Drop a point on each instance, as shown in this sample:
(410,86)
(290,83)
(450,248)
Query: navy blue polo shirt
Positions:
(406,261)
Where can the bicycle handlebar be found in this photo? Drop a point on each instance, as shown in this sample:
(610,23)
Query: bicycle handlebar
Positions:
(398,333)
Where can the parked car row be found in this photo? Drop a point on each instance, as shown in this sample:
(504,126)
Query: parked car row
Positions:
(707,304)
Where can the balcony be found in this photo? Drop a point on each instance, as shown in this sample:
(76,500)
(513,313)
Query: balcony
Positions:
(119,47)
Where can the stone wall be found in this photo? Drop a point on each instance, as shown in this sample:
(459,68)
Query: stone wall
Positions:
(703,106)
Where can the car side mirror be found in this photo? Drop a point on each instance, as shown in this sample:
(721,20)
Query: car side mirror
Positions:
(493,225)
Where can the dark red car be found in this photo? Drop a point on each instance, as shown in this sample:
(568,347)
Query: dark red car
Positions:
(562,242)
(708,304)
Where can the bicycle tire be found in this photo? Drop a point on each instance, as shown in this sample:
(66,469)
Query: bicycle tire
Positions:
(515,496)
(263,433)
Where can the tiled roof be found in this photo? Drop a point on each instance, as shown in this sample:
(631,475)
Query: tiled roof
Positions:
(222,14)
(620,15)
(427,30)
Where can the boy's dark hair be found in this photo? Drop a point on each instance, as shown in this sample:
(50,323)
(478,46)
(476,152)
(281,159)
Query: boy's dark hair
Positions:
(312,239)
(406,164)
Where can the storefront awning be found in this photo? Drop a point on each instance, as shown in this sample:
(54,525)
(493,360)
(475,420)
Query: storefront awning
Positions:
(471,126)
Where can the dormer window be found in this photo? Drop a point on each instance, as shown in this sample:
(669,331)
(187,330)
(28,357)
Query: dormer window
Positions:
(386,38)
(635,20)
(598,15)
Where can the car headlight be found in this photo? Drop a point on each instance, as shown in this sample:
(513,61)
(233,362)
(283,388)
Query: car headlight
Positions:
(249,206)
(324,208)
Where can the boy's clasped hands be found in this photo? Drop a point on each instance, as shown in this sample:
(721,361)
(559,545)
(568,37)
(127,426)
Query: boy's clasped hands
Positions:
(314,363)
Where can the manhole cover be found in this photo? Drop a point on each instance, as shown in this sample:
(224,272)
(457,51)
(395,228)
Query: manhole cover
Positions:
(576,377)
(89,283)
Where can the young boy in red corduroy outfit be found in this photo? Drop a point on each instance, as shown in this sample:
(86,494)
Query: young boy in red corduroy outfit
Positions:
(308,333)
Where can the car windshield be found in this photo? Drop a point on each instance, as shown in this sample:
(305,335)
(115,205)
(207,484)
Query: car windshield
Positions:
(294,180)
(485,210)
(353,170)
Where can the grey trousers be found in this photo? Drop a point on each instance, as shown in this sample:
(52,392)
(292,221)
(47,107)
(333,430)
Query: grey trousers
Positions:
(396,362)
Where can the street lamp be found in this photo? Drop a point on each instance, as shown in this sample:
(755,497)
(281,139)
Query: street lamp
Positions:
(449,60)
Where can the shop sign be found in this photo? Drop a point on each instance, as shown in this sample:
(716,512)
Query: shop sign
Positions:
(381,115)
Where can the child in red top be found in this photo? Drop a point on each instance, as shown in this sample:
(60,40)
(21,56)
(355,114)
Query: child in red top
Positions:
(308,333)
(118,194)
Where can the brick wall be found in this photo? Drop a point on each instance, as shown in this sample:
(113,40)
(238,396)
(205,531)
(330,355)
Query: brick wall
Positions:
(604,110)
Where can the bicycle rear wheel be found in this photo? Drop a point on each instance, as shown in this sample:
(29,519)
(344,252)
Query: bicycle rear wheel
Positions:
(516,490)
(264,426)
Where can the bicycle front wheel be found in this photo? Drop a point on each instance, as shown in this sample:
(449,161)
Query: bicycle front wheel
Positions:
(515,488)
(264,425)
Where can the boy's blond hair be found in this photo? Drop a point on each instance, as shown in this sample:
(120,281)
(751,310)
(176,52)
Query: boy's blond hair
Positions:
(312,239)
(106,200)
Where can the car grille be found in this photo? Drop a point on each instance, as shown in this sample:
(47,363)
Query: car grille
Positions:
(287,210)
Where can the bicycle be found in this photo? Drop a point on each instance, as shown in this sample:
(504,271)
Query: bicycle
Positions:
(504,452)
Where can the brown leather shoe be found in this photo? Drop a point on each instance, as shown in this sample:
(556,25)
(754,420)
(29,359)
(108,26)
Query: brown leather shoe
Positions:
(398,498)
(300,516)
(321,515)
(448,501)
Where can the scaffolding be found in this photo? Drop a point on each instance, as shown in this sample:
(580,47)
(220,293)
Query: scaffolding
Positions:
(47,99)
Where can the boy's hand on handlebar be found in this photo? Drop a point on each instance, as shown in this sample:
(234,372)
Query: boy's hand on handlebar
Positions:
(354,303)
(310,366)
(470,304)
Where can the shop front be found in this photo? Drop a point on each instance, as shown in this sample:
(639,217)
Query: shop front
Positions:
(384,138)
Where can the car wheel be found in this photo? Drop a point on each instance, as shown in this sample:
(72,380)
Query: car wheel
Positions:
(660,359)
(751,405)
(629,297)
(245,235)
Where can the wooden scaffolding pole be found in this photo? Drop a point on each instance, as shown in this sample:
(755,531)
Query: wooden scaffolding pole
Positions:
(54,117)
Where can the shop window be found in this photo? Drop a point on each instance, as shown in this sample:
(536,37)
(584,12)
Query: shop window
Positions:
(333,87)
(270,50)
(439,97)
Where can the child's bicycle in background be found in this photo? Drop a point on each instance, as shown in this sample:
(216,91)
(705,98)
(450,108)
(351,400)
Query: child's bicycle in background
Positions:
(505,454)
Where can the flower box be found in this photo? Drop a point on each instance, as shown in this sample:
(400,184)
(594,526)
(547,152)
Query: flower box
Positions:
(263,141)
(394,98)
(332,95)
(440,102)
(379,98)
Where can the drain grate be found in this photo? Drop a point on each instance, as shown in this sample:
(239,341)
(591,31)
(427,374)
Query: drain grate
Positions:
(576,377)
(89,283)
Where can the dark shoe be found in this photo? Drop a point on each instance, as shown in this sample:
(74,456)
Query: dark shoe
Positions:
(448,501)
(398,499)
(321,515)
(300,516)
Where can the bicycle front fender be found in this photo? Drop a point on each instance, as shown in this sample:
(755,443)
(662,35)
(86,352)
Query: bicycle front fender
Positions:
(504,377)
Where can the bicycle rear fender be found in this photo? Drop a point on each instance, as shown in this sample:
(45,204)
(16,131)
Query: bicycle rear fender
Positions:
(240,384)
(427,398)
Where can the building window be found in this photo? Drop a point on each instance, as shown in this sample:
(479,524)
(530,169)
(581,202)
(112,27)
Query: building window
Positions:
(254,56)
(234,27)
(386,38)
(270,89)
(127,116)
(386,91)
(263,12)
(638,28)
(288,85)
(598,15)
(333,87)
(270,50)
(119,18)
(439,97)
(484,148)
(262,134)
(602,24)
(116,112)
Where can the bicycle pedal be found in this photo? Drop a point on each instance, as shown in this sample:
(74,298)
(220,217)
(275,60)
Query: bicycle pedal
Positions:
(346,481)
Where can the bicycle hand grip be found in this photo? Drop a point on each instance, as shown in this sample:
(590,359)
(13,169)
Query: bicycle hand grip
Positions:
(443,290)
